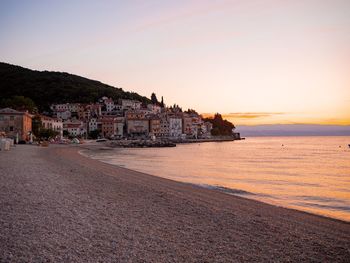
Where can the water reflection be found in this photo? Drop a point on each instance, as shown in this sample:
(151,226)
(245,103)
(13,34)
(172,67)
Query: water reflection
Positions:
(306,173)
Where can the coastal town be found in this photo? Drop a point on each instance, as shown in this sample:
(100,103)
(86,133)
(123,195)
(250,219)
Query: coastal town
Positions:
(107,119)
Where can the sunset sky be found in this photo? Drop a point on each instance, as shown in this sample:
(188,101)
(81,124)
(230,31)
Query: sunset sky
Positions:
(257,62)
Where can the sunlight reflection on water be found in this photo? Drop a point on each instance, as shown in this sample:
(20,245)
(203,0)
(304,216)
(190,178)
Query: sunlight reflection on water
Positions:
(306,173)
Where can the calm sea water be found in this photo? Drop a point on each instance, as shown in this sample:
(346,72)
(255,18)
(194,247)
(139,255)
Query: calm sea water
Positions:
(306,173)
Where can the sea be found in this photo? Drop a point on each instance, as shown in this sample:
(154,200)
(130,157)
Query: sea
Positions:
(311,174)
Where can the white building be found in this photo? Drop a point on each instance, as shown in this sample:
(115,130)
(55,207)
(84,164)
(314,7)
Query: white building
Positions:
(52,124)
(93,124)
(155,109)
(109,104)
(72,107)
(75,127)
(175,127)
(63,114)
(131,104)
(59,107)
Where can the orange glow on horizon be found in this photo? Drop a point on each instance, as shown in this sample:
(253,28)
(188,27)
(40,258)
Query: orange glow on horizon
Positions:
(265,118)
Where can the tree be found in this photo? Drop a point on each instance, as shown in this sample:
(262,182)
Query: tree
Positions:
(36,125)
(94,134)
(47,133)
(154,99)
(46,88)
(191,111)
(220,126)
(20,103)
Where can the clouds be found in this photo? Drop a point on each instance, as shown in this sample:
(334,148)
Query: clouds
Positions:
(254,118)
(252,115)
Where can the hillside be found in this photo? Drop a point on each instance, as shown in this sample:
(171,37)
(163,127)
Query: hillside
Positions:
(45,87)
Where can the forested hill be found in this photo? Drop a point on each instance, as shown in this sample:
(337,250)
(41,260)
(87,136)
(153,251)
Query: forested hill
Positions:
(46,87)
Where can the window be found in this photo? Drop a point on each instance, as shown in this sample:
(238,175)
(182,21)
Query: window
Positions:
(11,128)
(12,118)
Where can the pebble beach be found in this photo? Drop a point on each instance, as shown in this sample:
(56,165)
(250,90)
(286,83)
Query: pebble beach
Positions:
(57,205)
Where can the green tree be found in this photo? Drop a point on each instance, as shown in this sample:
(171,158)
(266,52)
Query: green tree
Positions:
(20,103)
(94,134)
(46,88)
(36,125)
(220,126)
(47,134)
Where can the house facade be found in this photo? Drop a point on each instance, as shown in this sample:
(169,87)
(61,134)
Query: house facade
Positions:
(175,127)
(131,118)
(15,123)
(52,124)
(75,128)
(154,126)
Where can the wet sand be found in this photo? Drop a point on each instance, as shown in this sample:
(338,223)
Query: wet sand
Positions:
(59,206)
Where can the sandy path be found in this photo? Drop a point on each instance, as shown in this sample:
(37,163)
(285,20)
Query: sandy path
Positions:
(58,206)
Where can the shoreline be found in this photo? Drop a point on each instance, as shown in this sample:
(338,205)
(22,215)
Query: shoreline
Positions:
(62,206)
(218,188)
(95,148)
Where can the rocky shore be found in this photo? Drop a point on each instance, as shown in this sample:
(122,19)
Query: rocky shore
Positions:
(139,143)
(59,206)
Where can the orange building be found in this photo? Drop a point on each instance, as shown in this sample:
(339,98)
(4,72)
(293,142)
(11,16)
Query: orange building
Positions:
(154,126)
(137,123)
(112,126)
(15,123)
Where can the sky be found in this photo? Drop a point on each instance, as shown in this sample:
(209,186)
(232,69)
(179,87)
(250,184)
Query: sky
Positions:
(254,61)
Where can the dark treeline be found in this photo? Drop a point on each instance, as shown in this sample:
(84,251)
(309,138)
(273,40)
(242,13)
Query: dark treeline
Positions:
(45,87)
(220,126)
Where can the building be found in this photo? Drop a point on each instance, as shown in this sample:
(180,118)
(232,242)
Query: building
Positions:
(138,127)
(137,123)
(206,129)
(94,109)
(154,126)
(93,124)
(109,104)
(59,107)
(175,127)
(112,126)
(108,126)
(52,124)
(75,128)
(131,104)
(72,107)
(120,127)
(16,124)
(83,112)
(164,126)
(153,108)
(192,125)
(63,114)
(188,128)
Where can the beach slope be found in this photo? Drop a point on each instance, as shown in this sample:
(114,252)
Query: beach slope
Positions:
(59,206)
